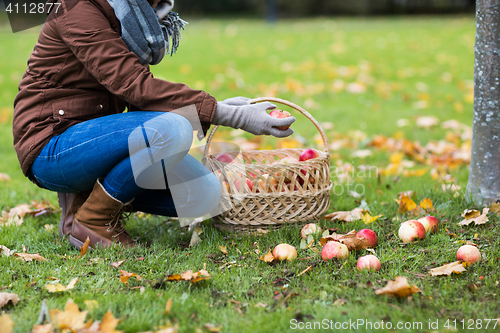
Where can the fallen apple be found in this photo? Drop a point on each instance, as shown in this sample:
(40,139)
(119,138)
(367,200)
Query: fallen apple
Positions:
(280,114)
(430,223)
(284,252)
(411,231)
(309,229)
(368,262)
(308,154)
(468,253)
(334,250)
(369,235)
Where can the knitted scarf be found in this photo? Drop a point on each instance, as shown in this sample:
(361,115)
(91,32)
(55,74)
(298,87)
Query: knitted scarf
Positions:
(144,32)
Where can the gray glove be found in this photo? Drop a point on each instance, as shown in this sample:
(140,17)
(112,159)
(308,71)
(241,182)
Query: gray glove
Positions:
(252,118)
(238,101)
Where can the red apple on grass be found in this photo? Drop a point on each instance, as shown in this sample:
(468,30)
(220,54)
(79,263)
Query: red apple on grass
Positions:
(280,114)
(369,235)
(285,252)
(368,262)
(468,253)
(411,231)
(430,223)
(334,250)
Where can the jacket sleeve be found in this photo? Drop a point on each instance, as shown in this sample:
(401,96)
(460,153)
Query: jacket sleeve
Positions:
(101,50)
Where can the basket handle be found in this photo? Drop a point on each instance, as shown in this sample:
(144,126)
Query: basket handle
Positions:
(284,102)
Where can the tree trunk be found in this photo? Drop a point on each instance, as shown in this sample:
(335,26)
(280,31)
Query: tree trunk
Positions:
(484,175)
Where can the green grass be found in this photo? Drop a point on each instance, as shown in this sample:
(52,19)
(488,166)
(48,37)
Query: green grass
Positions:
(401,61)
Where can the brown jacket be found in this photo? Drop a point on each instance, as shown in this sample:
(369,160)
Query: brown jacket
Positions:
(81,69)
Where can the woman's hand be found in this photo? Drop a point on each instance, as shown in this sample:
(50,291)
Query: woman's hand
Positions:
(252,118)
(238,101)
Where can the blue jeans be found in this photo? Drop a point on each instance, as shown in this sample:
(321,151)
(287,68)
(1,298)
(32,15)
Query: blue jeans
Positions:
(139,155)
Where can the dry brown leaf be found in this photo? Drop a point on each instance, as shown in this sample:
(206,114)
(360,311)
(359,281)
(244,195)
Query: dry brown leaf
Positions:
(8,297)
(53,288)
(398,287)
(474,216)
(71,319)
(268,257)
(30,257)
(168,306)
(447,269)
(223,249)
(15,215)
(347,216)
(6,252)
(495,207)
(84,248)
(213,328)
(117,264)
(427,121)
(42,208)
(6,324)
(350,240)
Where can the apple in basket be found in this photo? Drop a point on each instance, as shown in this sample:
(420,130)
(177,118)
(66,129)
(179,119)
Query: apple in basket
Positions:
(273,182)
(224,158)
(241,187)
(286,160)
(308,154)
(280,114)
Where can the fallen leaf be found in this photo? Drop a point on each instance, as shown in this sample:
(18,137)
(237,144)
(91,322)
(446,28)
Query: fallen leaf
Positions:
(268,257)
(223,249)
(367,218)
(213,328)
(84,248)
(30,257)
(398,287)
(350,240)
(168,306)
(126,275)
(363,153)
(406,204)
(495,207)
(15,215)
(6,252)
(6,324)
(348,216)
(91,304)
(42,208)
(189,275)
(195,239)
(426,204)
(117,264)
(108,323)
(447,269)
(53,288)
(427,121)
(8,297)
(47,328)
(71,319)
(474,216)
(305,270)
(260,305)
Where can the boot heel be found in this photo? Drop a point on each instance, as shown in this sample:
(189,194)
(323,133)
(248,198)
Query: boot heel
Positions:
(75,242)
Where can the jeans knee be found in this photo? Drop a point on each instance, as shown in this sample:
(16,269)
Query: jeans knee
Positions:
(206,196)
(170,131)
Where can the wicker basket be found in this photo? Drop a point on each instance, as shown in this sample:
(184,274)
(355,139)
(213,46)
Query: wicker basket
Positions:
(275,193)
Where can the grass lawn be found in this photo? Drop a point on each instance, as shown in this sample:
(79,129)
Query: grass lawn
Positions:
(369,82)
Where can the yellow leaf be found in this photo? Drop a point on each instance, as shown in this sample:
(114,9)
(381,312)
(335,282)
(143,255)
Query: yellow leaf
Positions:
(52,288)
(6,324)
(398,287)
(223,249)
(426,204)
(448,269)
(126,275)
(71,319)
(213,328)
(406,204)
(109,322)
(367,218)
(91,304)
(495,207)
(84,248)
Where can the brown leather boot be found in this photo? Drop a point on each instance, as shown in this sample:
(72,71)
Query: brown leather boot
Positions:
(100,219)
(70,203)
